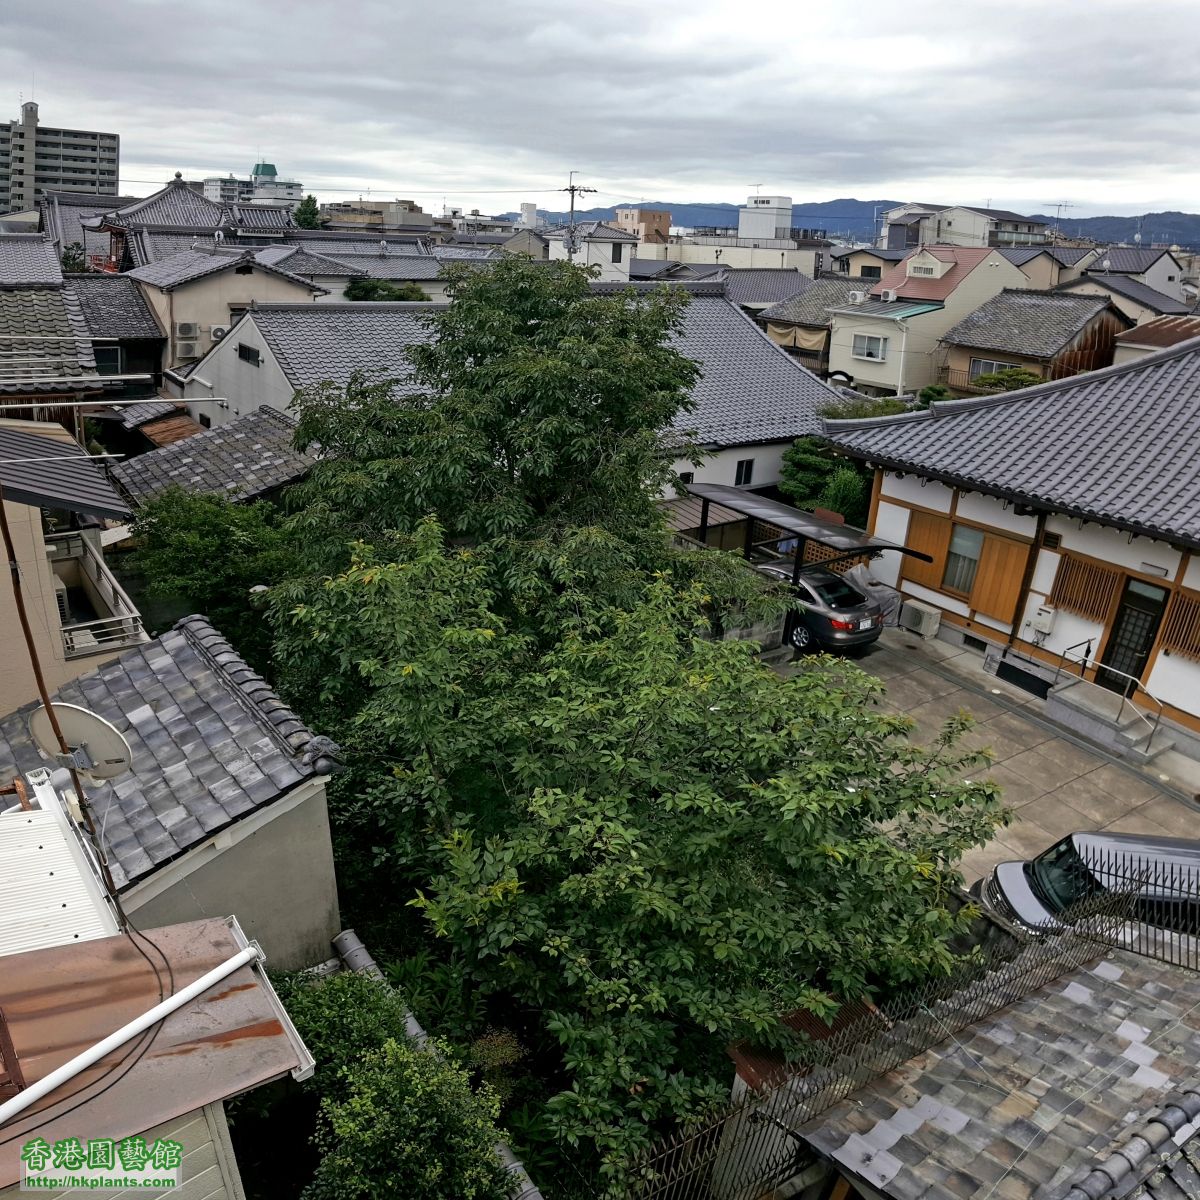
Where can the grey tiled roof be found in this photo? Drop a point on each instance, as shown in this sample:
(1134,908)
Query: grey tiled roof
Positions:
(176,204)
(261,216)
(28,260)
(1029,323)
(1025,1104)
(1126,260)
(1000,214)
(750,390)
(811,307)
(466,253)
(211,744)
(179,269)
(1020,255)
(113,306)
(250,455)
(324,241)
(596,231)
(132,415)
(59,345)
(73,483)
(1133,289)
(393,266)
(765,285)
(1118,446)
(1069,255)
(885,254)
(299,260)
(317,342)
(63,211)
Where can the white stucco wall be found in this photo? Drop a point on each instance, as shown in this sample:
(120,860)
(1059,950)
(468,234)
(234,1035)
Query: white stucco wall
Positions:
(721,467)
(931,494)
(891,523)
(1113,546)
(242,386)
(990,510)
(1175,680)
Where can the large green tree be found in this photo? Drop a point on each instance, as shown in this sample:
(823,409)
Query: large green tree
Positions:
(649,841)
(307,214)
(383,289)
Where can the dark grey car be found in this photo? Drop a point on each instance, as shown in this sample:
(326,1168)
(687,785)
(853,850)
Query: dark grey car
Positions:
(834,614)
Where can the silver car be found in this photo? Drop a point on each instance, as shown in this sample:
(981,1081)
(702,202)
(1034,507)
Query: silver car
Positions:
(833,614)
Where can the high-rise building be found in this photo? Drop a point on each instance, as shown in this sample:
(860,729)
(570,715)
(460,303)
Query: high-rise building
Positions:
(264,187)
(35,159)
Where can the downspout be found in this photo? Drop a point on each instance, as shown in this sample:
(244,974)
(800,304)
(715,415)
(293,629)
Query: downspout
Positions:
(94,1054)
(356,957)
(1027,579)
(903,347)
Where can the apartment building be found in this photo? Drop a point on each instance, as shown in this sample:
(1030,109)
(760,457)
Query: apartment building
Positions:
(35,159)
(646,224)
(264,186)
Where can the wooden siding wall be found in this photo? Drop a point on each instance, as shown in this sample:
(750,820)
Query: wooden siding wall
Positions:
(1092,348)
(1085,587)
(1181,626)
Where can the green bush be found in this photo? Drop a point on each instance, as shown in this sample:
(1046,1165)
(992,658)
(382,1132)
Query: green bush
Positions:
(410,1128)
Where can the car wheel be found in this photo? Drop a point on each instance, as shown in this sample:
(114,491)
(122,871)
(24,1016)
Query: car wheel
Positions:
(802,637)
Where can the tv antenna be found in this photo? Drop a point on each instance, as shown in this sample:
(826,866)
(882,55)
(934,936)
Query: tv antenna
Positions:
(1058,206)
(570,242)
(95,747)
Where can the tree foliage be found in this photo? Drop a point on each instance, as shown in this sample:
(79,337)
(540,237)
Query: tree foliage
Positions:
(845,492)
(74,258)
(857,407)
(397,1120)
(934,392)
(210,552)
(1009,380)
(307,214)
(383,289)
(642,835)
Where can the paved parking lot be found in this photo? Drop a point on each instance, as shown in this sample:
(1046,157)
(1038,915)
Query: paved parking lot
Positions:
(1054,785)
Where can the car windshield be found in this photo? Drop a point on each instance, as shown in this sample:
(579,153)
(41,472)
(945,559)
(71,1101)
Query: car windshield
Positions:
(837,594)
(1060,877)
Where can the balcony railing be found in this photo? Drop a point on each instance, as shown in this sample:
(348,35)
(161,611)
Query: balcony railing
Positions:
(119,625)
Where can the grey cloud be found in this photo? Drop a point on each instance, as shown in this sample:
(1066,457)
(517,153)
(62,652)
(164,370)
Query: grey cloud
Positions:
(983,97)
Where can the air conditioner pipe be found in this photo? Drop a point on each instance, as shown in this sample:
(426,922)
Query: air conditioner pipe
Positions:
(47,1084)
(356,957)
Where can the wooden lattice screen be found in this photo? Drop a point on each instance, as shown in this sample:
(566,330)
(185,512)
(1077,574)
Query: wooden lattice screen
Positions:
(1084,587)
(1181,629)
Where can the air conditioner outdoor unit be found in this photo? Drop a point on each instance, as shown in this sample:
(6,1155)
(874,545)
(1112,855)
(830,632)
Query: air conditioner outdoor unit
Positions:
(857,297)
(922,619)
(218,332)
(888,295)
(189,350)
(187,329)
(60,595)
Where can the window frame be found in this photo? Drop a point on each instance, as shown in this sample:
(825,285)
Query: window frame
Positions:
(993,368)
(955,528)
(881,339)
(743,472)
(249,354)
(617,248)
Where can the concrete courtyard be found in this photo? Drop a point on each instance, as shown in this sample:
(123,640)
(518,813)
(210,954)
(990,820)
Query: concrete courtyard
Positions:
(1055,784)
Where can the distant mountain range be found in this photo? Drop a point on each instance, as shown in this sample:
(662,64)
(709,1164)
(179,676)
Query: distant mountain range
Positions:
(855,220)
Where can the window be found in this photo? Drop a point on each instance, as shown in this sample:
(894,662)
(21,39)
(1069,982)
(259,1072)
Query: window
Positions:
(244,269)
(744,473)
(1085,588)
(962,559)
(108,360)
(922,271)
(205,420)
(686,476)
(249,354)
(616,251)
(868,346)
(986,366)
(870,272)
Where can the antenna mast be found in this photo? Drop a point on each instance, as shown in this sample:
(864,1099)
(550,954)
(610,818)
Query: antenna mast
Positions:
(1058,206)
(573,189)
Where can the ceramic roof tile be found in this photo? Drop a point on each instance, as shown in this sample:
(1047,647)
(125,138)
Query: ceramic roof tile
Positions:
(964,260)
(175,204)
(113,306)
(1119,445)
(180,269)
(1126,260)
(750,390)
(59,346)
(1132,289)
(596,231)
(393,266)
(28,259)
(1029,323)
(133,415)
(765,285)
(811,307)
(63,211)
(181,700)
(1038,1096)
(250,455)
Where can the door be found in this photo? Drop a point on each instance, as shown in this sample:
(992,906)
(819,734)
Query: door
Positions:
(1136,625)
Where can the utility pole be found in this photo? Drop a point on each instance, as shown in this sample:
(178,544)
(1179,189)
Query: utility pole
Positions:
(573,189)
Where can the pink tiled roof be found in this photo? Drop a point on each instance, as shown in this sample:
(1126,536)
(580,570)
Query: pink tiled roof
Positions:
(923,287)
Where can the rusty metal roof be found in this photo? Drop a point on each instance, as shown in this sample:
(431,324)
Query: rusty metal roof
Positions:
(61,1000)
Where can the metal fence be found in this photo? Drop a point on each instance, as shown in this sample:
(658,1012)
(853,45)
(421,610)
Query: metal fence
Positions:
(1126,900)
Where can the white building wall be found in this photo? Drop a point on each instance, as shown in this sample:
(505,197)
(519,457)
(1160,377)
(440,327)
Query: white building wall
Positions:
(735,256)
(240,385)
(990,510)
(891,523)
(1165,276)
(721,466)
(1175,680)
(932,494)
(1113,546)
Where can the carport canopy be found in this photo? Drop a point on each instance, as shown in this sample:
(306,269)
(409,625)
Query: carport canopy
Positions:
(805,526)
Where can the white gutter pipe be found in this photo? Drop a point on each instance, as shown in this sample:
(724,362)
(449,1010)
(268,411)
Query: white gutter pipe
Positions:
(35,1091)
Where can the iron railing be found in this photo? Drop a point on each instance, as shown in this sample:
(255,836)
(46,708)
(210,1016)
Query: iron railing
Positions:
(1128,901)
(1132,686)
(123,624)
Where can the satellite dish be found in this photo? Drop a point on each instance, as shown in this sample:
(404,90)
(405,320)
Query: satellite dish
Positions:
(97,747)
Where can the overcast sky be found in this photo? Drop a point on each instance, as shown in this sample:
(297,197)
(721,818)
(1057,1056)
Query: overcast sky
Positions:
(485,103)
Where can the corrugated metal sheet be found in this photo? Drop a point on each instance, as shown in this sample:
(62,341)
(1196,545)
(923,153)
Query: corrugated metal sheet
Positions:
(48,893)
